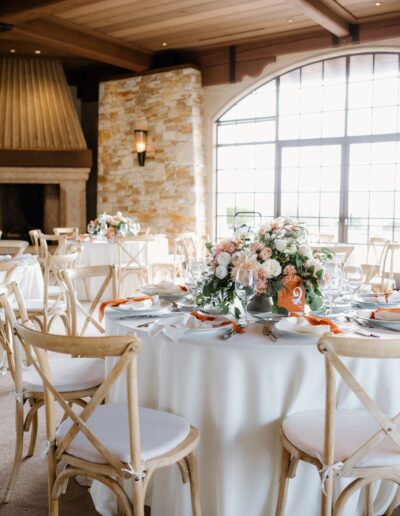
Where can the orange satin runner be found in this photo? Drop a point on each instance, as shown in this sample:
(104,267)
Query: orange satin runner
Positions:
(393,310)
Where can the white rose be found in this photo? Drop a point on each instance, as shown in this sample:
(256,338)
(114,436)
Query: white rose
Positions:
(291,248)
(306,251)
(224,258)
(272,267)
(118,214)
(280,244)
(221,271)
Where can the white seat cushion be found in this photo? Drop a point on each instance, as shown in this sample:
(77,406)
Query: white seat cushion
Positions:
(68,374)
(353,428)
(37,305)
(159,433)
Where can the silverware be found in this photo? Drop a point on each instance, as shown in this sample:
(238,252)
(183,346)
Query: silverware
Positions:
(267,331)
(139,317)
(366,334)
(228,334)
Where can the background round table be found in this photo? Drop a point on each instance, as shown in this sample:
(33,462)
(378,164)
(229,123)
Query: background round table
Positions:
(236,392)
(104,252)
(29,277)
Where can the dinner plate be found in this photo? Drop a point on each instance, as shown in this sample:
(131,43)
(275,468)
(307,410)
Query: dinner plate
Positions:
(165,294)
(364,315)
(370,300)
(152,309)
(211,331)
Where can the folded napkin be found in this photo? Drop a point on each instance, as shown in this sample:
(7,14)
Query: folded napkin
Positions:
(174,326)
(386,314)
(117,302)
(167,287)
(316,321)
(224,322)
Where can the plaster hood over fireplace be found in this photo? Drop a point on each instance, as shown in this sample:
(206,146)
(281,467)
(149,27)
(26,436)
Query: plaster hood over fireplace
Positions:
(41,140)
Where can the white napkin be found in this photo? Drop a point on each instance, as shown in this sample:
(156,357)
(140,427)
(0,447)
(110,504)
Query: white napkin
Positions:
(5,258)
(300,325)
(176,325)
(136,305)
(165,287)
(387,316)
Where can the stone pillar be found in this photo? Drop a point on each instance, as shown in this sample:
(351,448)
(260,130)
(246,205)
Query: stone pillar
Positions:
(51,208)
(73,204)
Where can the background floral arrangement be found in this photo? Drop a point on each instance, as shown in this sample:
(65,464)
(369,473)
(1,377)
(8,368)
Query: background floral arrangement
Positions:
(114,222)
(279,249)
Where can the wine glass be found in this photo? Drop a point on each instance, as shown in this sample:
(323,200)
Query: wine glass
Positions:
(91,229)
(194,278)
(332,286)
(245,288)
(352,279)
(123,229)
(103,229)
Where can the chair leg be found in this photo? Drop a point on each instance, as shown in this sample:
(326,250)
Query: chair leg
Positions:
(394,503)
(52,475)
(138,498)
(327,499)
(283,482)
(19,446)
(369,501)
(191,461)
(34,431)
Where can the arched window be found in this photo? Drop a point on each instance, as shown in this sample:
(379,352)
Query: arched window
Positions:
(320,143)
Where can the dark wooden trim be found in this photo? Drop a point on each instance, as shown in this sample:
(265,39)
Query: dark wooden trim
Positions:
(59,36)
(46,158)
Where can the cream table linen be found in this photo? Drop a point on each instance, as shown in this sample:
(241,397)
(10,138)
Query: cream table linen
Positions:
(103,252)
(29,277)
(237,392)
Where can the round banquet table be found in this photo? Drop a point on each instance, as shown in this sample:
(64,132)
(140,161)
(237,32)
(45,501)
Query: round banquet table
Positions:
(104,252)
(236,392)
(29,277)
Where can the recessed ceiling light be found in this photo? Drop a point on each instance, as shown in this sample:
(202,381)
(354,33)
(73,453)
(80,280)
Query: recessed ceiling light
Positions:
(290,20)
(38,51)
(164,43)
(378,4)
(12,50)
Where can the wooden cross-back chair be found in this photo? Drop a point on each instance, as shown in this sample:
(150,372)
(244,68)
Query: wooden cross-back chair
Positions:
(131,262)
(389,266)
(105,441)
(34,235)
(341,251)
(75,378)
(58,242)
(71,232)
(359,444)
(6,273)
(82,273)
(173,264)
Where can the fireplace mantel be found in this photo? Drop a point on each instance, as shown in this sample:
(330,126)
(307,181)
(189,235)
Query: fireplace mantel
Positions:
(72,182)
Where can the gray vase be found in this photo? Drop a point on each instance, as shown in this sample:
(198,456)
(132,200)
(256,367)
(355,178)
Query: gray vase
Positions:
(260,303)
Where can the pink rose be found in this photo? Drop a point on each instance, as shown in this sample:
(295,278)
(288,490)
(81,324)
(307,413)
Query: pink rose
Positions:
(256,246)
(266,253)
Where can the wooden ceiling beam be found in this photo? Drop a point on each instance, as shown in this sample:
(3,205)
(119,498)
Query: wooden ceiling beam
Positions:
(17,11)
(324,16)
(81,44)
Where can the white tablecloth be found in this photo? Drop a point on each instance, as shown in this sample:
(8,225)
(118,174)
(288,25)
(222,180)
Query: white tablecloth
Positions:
(98,252)
(29,278)
(237,392)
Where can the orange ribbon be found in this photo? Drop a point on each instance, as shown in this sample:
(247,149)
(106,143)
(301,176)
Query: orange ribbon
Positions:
(183,288)
(204,318)
(393,310)
(319,321)
(116,302)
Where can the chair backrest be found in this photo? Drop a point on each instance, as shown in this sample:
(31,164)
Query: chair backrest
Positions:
(389,266)
(67,231)
(326,237)
(334,348)
(132,258)
(376,250)
(13,247)
(60,245)
(341,251)
(125,348)
(34,235)
(70,276)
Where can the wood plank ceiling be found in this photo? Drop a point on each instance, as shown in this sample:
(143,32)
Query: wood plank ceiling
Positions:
(226,38)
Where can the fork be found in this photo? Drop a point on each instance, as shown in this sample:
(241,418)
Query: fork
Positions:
(267,331)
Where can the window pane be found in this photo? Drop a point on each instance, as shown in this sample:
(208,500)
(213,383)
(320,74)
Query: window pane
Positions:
(361,67)
(359,121)
(360,94)
(386,65)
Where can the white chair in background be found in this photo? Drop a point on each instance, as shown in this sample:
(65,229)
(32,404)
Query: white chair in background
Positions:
(342,251)
(70,232)
(34,235)
(131,262)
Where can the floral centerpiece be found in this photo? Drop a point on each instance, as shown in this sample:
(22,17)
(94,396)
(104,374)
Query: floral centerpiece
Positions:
(281,259)
(109,225)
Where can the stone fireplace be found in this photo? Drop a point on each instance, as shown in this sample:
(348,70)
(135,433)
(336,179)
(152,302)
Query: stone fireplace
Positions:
(41,143)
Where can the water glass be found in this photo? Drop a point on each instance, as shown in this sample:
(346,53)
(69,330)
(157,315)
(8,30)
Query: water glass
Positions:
(194,277)
(333,283)
(245,288)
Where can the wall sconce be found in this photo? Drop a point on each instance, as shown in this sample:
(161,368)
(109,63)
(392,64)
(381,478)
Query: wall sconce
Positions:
(141,145)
